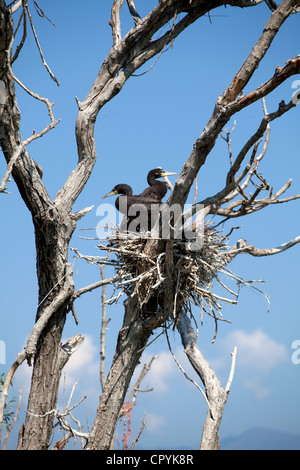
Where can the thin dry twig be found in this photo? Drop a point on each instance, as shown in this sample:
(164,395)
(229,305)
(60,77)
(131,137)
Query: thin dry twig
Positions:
(131,401)
(191,280)
(35,135)
(232,370)
(61,417)
(39,47)
(14,420)
(186,375)
(104,323)
(115,22)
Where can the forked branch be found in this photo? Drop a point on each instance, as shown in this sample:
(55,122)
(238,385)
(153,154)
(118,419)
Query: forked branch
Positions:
(216,395)
(243,247)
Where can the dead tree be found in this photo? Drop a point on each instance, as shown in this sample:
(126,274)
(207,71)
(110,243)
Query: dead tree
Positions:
(54,222)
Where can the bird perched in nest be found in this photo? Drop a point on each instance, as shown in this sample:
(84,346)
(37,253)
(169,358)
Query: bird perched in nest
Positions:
(126,200)
(143,202)
(157,189)
(126,190)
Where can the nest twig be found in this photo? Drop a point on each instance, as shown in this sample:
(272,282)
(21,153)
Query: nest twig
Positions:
(193,274)
(197,276)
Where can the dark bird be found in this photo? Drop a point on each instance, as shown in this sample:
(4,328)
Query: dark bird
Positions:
(157,189)
(140,207)
(123,190)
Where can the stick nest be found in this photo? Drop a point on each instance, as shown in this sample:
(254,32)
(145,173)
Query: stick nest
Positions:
(185,273)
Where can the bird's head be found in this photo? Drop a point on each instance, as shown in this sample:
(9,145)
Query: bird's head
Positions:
(123,189)
(160,173)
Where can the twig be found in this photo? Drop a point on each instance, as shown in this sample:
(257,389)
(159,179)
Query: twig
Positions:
(61,416)
(231,374)
(104,323)
(6,385)
(228,140)
(185,374)
(18,151)
(62,442)
(14,6)
(30,348)
(14,420)
(94,286)
(41,13)
(136,17)
(132,396)
(21,44)
(115,22)
(142,427)
(131,401)
(243,247)
(39,48)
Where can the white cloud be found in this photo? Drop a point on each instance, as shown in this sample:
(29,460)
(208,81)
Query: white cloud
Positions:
(22,379)
(258,354)
(256,350)
(84,360)
(163,368)
(256,387)
(83,366)
(156,423)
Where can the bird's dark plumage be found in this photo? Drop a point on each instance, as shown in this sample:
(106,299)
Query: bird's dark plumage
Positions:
(123,190)
(126,190)
(130,201)
(157,189)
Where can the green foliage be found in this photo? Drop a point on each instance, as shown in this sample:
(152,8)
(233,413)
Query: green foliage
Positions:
(8,413)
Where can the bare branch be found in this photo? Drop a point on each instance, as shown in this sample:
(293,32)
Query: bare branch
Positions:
(62,442)
(66,351)
(23,17)
(104,323)
(64,294)
(243,247)
(216,395)
(258,52)
(39,47)
(69,348)
(14,6)
(79,214)
(67,412)
(227,104)
(233,362)
(132,396)
(19,149)
(234,186)
(136,17)
(14,420)
(187,377)
(93,286)
(7,382)
(115,22)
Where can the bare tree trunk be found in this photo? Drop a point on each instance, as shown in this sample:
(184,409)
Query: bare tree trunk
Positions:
(54,225)
(137,327)
(216,395)
(49,358)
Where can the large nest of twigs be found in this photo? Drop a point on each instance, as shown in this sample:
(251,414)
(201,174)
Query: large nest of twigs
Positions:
(189,272)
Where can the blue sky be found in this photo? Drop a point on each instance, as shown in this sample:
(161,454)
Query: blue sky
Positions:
(153,122)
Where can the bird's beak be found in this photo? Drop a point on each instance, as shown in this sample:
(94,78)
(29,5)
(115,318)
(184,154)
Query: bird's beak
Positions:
(167,173)
(112,193)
